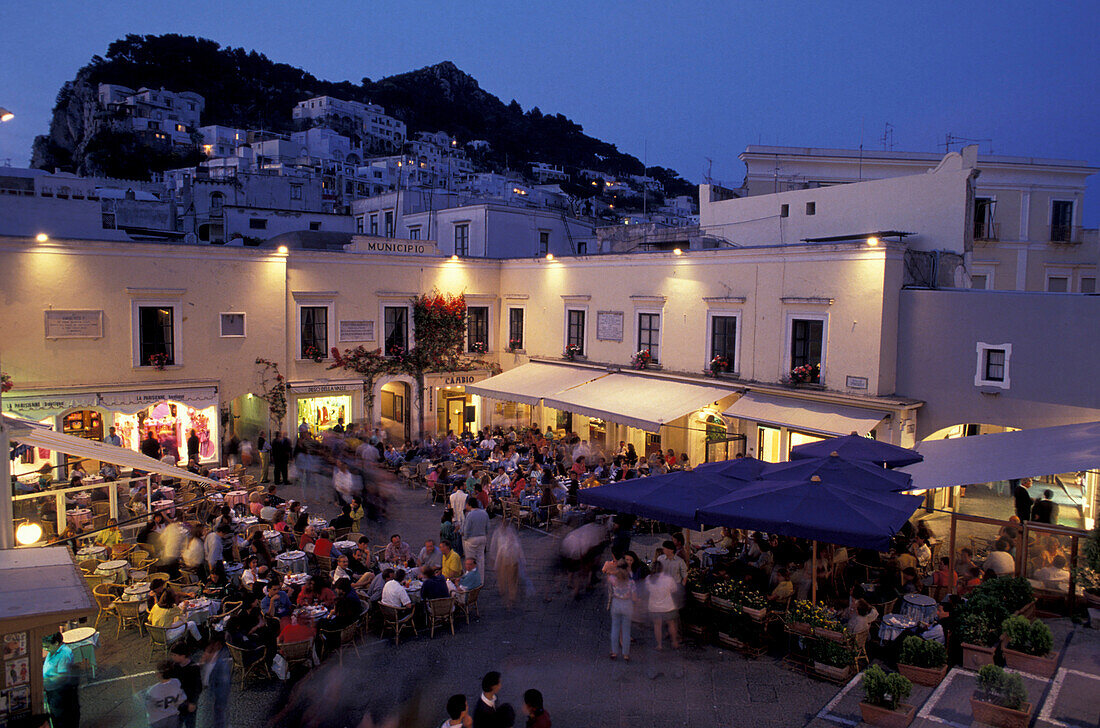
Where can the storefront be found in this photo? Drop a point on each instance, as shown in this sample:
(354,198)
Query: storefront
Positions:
(454,409)
(53,409)
(321,405)
(170,414)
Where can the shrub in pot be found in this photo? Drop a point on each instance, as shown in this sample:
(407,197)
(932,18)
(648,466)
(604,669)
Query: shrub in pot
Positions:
(922,661)
(1000,699)
(833,660)
(979,638)
(1088,568)
(883,698)
(1028,646)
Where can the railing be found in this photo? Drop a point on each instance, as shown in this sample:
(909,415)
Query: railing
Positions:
(987,231)
(1065,234)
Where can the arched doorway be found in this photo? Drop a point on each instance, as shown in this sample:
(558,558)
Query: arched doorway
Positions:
(86,423)
(394,411)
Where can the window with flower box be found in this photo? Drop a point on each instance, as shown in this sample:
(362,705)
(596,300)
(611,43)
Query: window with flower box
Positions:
(515,328)
(477,329)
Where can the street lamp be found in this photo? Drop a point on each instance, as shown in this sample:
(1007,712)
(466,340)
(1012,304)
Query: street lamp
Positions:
(6,115)
(28,533)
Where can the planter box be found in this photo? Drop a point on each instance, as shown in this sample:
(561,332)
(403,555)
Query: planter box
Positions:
(974,656)
(839,674)
(756,615)
(1092,598)
(830,634)
(700,597)
(995,715)
(800,628)
(1028,610)
(927,676)
(1044,666)
(724,604)
(730,641)
(878,715)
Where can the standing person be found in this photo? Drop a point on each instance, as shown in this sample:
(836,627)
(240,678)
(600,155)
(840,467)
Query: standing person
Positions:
(60,683)
(164,699)
(673,564)
(475,530)
(537,717)
(233,450)
(457,714)
(662,590)
(192,445)
(114,439)
(1045,510)
(620,601)
(150,447)
(509,554)
(1022,498)
(263,446)
(217,677)
(281,450)
(190,678)
(487,712)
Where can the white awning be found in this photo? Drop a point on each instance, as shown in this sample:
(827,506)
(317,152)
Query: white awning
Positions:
(37,436)
(638,401)
(803,414)
(528,383)
(1006,455)
(131,401)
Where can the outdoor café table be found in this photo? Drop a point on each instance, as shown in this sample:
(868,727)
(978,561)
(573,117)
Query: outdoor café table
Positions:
(215,497)
(79,517)
(530,502)
(345,547)
(167,492)
(708,555)
(413,589)
(197,610)
(920,607)
(233,571)
(236,497)
(93,480)
(244,523)
(117,571)
(219,472)
(893,625)
(317,522)
(83,499)
(82,641)
(274,540)
(293,562)
(167,506)
(136,592)
(296,579)
(93,552)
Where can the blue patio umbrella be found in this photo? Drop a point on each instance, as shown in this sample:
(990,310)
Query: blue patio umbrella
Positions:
(857,447)
(837,469)
(674,497)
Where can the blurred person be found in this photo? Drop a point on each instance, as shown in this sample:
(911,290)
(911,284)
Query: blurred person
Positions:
(189,676)
(537,717)
(217,676)
(620,602)
(507,561)
(663,594)
(164,699)
(60,682)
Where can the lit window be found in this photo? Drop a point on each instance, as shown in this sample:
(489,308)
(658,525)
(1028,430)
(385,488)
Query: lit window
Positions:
(574,334)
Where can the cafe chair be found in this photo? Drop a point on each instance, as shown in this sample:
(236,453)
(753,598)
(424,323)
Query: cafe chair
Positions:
(159,575)
(394,619)
(441,611)
(94,580)
(297,653)
(159,639)
(90,565)
(466,601)
(129,612)
(339,533)
(105,600)
(859,645)
(249,662)
(324,564)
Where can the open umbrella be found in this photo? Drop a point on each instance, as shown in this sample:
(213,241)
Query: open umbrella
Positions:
(837,469)
(857,447)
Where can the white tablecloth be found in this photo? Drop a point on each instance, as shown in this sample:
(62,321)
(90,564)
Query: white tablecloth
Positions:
(274,541)
(93,552)
(79,517)
(920,607)
(117,571)
(167,506)
(293,561)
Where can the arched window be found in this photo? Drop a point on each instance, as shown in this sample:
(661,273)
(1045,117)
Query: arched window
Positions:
(217,199)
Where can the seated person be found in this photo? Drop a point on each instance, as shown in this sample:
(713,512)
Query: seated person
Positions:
(944,578)
(323,545)
(344,520)
(784,590)
(166,614)
(1000,561)
(112,537)
(361,559)
(316,591)
(377,584)
(452,564)
(255,503)
(861,619)
(343,569)
(1055,576)
(309,537)
(471,577)
(969,582)
(429,556)
(275,604)
(254,576)
(910,581)
(397,551)
(248,629)
(435,586)
(218,584)
(393,592)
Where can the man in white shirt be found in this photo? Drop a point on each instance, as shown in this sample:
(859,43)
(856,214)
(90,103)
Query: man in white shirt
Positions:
(394,594)
(458,506)
(501,481)
(1000,561)
(673,565)
(1055,576)
(457,714)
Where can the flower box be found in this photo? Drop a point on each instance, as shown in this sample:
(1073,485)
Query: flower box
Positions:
(878,715)
(996,715)
(927,676)
(699,596)
(724,604)
(838,674)
(974,656)
(830,634)
(1044,666)
(757,615)
(800,628)
(1028,610)
(728,640)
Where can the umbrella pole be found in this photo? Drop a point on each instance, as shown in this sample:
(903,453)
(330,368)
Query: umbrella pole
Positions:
(813,587)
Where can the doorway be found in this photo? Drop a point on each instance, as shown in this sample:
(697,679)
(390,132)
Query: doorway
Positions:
(89,425)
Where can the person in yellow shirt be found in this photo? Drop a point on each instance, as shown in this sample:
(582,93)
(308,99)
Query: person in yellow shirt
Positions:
(165,613)
(452,565)
(112,537)
(784,589)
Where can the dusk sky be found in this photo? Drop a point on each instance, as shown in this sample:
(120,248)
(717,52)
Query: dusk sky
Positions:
(678,81)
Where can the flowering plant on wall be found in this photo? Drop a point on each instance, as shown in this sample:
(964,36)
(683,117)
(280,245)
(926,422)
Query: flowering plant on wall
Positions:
(274,389)
(478,347)
(642,359)
(312,352)
(719,364)
(158,361)
(807,373)
(514,344)
(572,351)
(5,382)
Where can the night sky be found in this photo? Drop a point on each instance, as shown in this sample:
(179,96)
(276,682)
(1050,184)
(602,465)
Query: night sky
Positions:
(678,82)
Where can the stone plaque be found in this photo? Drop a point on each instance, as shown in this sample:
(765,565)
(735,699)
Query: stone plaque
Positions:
(74,324)
(856,382)
(609,325)
(356,331)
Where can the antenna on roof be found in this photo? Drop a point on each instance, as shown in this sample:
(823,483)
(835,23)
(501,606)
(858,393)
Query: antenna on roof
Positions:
(888,137)
(707,178)
(950,139)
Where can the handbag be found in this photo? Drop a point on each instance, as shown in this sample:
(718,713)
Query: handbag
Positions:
(280,668)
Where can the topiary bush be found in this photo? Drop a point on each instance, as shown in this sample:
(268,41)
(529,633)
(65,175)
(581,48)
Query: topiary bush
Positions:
(885,690)
(1001,688)
(1030,637)
(922,653)
(976,628)
(832,653)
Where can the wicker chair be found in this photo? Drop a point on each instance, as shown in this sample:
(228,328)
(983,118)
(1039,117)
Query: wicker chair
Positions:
(253,528)
(89,565)
(441,611)
(340,533)
(105,600)
(324,564)
(242,665)
(94,580)
(395,620)
(159,639)
(297,653)
(100,522)
(129,612)
(347,635)
(158,575)
(466,601)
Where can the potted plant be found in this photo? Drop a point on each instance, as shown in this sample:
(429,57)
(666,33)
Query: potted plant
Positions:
(804,617)
(718,365)
(641,359)
(805,374)
(1000,699)
(722,596)
(922,661)
(158,361)
(312,352)
(515,344)
(6,382)
(572,352)
(1027,646)
(833,660)
(979,639)
(882,699)
(753,603)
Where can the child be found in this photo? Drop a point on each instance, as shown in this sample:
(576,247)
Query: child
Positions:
(163,700)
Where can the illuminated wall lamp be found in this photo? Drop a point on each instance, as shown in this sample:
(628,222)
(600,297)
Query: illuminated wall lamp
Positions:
(28,533)
(872,241)
(41,237)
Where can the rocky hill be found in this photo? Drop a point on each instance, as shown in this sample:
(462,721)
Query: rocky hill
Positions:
(246,89)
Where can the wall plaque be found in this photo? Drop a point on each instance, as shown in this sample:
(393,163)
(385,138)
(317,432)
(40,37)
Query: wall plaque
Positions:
(609,325)
(856,382)
(356,331)
(74,324)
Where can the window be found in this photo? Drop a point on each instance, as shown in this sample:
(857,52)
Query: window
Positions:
(1061,220)
(515,328)
(574,331)
(232,325)
(314,331)
(462,239)
(1088,285)
(374,224)
(314,225)
(359,225)
(477,328)
(993,365)
(811,208)
(544,242)
(784,210)
(155,125)
(295,192)
(414,233)
(983,219)
(396,329)
(257,223)
(217,200)
(389,223)
(723,340)
(181,127)
(806,345)
(979,281)
(156,335)
(649,334)
(1057,284)
(582,248)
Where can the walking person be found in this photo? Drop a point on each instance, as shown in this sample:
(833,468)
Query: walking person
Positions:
(663,590)
(217,677)
(475,530)
(164,700)
(509,554)
(620,601)
(263,446)
(281,450)
(537,717)
(60,683)
(190,678)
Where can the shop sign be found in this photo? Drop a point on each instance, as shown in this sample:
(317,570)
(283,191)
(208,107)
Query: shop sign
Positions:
(356,331)
(318,388)
(609,325)
(74,324)
(198,398)
(47,404)
(456,379)
(410,247)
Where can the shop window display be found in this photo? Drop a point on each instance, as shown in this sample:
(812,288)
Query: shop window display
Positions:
(171,422)
(322,413)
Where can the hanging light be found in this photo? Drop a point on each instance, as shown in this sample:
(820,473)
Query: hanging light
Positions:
(28,533)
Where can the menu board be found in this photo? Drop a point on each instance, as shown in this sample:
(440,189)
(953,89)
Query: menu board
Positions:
(609,325)
(74,324)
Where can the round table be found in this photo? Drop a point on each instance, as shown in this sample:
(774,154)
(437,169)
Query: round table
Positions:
(920,607)
(197,610)
(117,571)
(135,592)
(893,625)
(345,547)
(215,497)
(83,499)
(78,634)
(93,552)
(274,541)
(79,517)
(165,505)
(82,642)
(219,472)
(167,492)
(317,522)
(413,589)
(309,615)
(293,562)
(236,498)
(296,579)
(707,556)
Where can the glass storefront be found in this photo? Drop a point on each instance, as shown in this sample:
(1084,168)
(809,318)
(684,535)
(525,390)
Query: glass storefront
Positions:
(323,411)
(171,422)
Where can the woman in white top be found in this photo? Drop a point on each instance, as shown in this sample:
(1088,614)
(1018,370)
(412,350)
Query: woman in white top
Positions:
(662,590)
